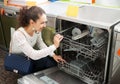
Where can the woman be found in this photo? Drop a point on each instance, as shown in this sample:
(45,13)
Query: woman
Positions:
(32,20)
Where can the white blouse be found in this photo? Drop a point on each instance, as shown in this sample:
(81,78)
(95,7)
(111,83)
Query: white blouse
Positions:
(22,42)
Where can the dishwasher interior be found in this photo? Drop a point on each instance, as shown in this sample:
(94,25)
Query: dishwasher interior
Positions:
(84,47)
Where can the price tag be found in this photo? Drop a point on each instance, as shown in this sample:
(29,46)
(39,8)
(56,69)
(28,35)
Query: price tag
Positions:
(31,3)
(72,11)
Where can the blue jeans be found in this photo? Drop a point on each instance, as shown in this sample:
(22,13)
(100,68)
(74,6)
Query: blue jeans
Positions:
(44,63)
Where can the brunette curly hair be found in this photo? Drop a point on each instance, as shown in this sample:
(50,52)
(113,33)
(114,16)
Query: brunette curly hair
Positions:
(28,13)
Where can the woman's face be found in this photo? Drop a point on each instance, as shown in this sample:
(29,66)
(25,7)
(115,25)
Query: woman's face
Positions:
(40,23)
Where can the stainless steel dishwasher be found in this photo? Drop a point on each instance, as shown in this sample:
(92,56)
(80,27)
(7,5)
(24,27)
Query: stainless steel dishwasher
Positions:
(9,21)
(2,39)
(90,47)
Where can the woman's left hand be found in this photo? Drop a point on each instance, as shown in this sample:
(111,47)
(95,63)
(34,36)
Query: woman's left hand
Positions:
(58,58)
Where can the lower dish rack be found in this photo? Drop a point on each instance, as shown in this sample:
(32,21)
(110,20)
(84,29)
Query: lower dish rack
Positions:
(85,69)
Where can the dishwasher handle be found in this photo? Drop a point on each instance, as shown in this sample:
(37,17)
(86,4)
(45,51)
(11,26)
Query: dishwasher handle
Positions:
(10,13)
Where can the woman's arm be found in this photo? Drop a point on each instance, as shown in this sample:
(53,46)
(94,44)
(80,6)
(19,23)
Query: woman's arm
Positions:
(21,43)
(41,44)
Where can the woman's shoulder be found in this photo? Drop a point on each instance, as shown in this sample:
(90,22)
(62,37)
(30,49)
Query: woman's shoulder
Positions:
(18,33)
(20,29)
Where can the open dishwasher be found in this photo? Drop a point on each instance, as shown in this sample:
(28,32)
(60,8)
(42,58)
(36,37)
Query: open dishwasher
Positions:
(84,48)
(90,47)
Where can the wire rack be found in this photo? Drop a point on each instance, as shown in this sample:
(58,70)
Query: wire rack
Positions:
(85,69)
(84,47)
(90,47)
(83,57)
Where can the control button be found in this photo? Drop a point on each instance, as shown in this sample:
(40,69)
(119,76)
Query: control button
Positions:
(118,52)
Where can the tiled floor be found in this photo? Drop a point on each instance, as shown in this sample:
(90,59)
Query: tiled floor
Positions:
(6,77)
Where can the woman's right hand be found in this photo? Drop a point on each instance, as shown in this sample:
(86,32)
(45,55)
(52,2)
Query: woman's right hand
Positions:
(57,39)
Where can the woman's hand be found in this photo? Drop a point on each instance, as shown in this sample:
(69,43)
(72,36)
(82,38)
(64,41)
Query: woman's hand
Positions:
(57,39)
(58,58)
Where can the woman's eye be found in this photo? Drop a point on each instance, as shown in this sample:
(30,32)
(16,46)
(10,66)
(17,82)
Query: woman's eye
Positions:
(44,22)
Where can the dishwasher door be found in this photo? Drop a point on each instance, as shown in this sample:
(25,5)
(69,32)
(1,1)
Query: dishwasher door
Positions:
(50,76)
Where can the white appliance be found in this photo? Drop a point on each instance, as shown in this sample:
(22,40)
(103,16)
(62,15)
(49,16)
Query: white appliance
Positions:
(112,3)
